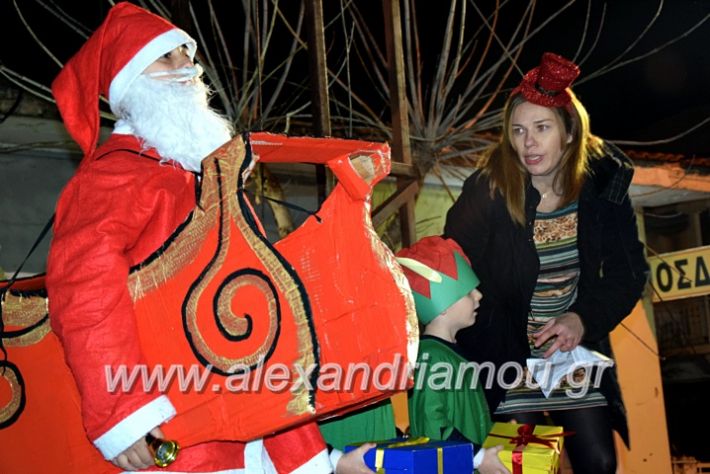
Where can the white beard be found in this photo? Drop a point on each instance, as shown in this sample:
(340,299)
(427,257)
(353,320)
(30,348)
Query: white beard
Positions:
(175,119)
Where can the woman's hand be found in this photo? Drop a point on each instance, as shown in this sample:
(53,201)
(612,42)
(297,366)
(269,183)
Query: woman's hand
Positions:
(354,462)
(568,330)
(138,456)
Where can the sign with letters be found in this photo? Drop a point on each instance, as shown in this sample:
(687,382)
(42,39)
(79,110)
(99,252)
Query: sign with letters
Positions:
(682,274)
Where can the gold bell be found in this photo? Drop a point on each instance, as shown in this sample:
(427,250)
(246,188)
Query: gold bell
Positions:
(164,451)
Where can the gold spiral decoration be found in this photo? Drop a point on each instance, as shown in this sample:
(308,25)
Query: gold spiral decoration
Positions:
(29,313)
(208,300)
(13,408)
(221,184)
(236,327)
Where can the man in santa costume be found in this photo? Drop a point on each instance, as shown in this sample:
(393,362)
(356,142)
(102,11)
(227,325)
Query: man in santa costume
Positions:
(126,199)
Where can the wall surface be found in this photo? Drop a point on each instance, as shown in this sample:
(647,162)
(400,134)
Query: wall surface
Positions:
(635,348)
(636,355)
(29,187)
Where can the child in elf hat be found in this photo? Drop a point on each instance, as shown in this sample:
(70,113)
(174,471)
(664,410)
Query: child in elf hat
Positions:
(446,299)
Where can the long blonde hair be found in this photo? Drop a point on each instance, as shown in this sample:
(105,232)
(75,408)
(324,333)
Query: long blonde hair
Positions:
(508,176)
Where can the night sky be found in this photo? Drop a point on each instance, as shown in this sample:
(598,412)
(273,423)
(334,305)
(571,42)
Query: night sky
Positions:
(657,97)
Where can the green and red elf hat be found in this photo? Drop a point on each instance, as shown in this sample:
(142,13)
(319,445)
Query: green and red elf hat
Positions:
(439,274)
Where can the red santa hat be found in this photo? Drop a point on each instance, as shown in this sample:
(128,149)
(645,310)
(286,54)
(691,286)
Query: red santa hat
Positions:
(129,40)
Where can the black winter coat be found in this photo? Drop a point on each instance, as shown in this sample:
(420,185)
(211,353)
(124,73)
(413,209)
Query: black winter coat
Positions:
(613,269)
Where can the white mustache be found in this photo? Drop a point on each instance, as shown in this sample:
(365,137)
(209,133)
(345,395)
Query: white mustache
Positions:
(182,74)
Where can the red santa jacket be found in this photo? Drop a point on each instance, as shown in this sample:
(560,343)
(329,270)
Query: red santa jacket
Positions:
(121,206)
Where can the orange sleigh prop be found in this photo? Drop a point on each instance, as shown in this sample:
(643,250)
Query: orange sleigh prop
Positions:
(219,295)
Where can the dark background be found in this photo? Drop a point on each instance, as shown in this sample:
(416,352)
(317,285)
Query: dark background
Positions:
(655,98)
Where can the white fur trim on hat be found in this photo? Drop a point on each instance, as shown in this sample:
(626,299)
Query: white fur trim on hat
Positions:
(158,46)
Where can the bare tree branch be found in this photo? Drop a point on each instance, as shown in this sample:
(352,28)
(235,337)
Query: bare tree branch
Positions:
(663,140)
(34,36)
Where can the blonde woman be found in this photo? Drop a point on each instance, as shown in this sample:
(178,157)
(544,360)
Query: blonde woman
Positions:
(548,225)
